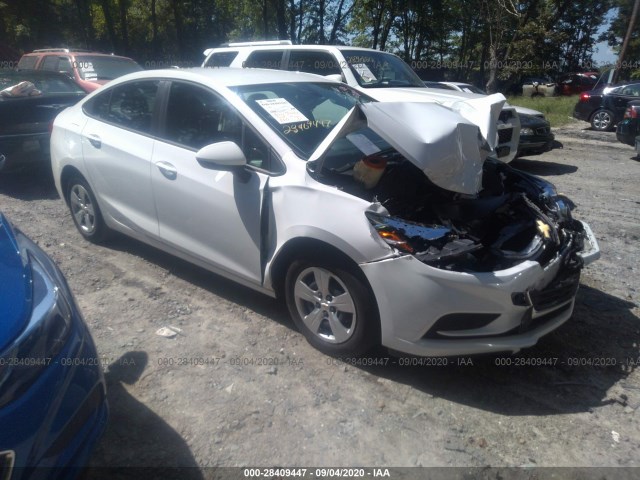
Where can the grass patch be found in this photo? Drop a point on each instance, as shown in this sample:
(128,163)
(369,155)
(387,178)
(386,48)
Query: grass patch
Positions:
(558,110)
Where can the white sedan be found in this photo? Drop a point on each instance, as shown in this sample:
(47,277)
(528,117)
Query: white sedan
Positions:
(373,227)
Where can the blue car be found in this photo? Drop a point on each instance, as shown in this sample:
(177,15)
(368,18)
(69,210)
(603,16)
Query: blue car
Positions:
(53,405)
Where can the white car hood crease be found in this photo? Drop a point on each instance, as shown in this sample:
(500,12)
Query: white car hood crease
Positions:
(449,145)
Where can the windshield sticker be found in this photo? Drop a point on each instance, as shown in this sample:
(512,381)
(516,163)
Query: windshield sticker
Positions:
(282,111)
(299,127)
(365,145)
(88,71)
(364,72)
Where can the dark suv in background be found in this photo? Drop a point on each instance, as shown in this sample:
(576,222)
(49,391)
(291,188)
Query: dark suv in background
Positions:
(88,69)
(605,106)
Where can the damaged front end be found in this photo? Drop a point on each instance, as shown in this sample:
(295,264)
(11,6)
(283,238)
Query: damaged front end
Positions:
(437,195)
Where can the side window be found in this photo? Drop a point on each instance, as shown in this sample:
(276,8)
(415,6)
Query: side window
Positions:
(130,105)
(64,65)
(197,117)
(27,63)
(221,59)
(264,59)
(50,62)
(320,63)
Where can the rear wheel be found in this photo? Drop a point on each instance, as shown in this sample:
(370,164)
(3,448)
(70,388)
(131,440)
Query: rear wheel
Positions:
(85,211)
(602,120)
(331,307)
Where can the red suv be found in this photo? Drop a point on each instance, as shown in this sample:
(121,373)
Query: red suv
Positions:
(88,69)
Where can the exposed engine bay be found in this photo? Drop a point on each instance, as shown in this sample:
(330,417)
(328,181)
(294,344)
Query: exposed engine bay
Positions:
(515,216)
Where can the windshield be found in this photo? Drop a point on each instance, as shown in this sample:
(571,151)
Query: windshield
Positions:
(97,67)
(302,113)
(380,70)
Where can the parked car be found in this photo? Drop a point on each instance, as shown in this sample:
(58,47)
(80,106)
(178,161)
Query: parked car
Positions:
(538,87)
(605,107)
(638,146)
(53,406)
(373,227)
(535,135)
(381,75)
(629,127)
(575,83)
(535,131)
(89,70)
(29,101)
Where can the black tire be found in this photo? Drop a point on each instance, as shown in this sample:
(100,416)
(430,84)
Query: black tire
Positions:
(602,120)
(85,210)
(356,333)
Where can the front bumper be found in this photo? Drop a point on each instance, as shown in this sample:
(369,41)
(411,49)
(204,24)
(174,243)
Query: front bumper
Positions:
(413,297)
(535,144)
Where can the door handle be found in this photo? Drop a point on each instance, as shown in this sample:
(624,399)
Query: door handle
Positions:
(94,140)
(167,170)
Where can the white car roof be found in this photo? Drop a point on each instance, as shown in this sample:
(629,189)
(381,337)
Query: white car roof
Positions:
(228,77)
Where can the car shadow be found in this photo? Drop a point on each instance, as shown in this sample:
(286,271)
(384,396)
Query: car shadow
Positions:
(28,185)
(539,167)
(587,361)
(137,440)
(204,279)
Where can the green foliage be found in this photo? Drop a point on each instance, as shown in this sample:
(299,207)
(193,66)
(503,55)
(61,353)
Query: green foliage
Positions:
(557,110)
(470,40)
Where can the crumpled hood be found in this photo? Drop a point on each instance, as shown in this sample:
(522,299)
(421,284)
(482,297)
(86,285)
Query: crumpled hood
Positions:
(448,144)
(15,286)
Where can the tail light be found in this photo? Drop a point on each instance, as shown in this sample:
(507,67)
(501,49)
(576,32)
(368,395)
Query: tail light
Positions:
(632,111)
(584,96)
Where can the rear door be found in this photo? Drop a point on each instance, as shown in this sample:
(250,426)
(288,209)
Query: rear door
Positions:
(117,146)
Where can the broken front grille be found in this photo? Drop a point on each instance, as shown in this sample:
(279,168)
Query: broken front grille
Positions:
(504,135)
(557,292)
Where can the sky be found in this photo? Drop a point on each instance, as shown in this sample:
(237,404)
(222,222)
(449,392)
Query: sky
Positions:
(602,51)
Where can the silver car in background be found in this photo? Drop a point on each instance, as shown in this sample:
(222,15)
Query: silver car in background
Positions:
(374,229)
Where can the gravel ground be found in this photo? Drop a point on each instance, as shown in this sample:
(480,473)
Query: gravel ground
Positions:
(239,386)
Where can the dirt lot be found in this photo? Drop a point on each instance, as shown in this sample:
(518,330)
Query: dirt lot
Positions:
(239,386)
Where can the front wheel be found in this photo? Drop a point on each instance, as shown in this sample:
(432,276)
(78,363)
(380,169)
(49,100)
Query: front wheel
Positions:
(602,120)
(331,307)
(85,211)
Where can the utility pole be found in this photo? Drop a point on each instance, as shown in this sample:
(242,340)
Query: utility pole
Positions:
(627,38)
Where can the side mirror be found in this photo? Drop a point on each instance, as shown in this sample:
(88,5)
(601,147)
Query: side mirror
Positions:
(221,156)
